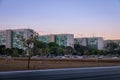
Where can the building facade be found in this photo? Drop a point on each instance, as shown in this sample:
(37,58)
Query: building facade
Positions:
(65,39)
(10,39)
(111,41)
(47,38)
(81,41)
(60,39)
(16,42)
(114,41)
(3,37)
(92,42)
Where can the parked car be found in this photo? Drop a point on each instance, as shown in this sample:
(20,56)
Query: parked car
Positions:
(100,57)
(115,57)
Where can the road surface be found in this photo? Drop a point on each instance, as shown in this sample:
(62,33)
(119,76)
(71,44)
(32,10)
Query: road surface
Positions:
(92,73)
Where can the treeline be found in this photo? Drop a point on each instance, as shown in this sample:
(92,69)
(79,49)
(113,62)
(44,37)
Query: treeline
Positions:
(53,49)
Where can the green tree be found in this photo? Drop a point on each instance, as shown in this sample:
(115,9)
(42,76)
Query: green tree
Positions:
(86,52)
(69,50)
(2,49)
(56,51)
(94,52)
(112,48)
(28,44)
(40,48)
(8,51)
(15,53)
(52,44)
(52,48)
(82,50)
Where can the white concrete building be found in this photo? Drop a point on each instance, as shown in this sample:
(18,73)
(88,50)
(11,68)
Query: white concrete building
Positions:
(91,42)
(65,39)
(10,39)
(60,39)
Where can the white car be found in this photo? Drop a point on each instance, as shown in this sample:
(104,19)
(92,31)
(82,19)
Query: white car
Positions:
(80,57)
(63,57)
(114,57)
(100,57)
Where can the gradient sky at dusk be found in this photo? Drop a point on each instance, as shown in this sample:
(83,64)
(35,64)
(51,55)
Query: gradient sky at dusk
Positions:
(80,17)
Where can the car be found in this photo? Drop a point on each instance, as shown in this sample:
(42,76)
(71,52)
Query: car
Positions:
(100,57)
(115,57)
(80,57)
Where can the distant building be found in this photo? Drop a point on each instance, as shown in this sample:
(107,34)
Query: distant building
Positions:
(96,42)
(65,39)
(10,39)
(46,38)
(92,42)
(60,39)
(3,37)
(81,41)
(109,41)
(26,33)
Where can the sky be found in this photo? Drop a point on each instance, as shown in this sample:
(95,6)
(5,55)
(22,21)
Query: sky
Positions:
(83,18)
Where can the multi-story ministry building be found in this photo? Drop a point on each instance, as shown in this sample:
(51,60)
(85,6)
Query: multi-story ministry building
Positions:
(93,42)
(109,41)
(65,39)
(80,41)
(115,41)
(47,38)
(96,42)
(10,39)
(16,42)
(4,35)
(60,39)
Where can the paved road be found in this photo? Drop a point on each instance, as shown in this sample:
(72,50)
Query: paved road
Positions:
(94,73)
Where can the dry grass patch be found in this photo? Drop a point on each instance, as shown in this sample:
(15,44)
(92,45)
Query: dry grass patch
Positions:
(21,64)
